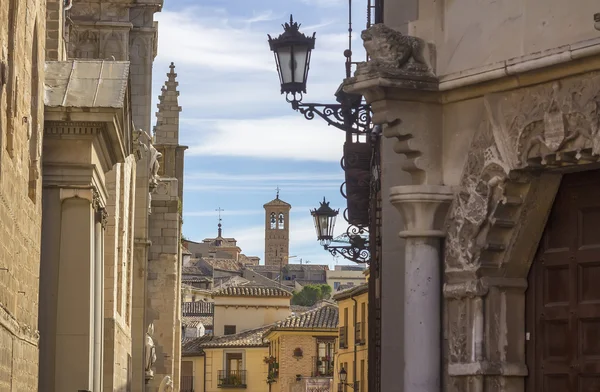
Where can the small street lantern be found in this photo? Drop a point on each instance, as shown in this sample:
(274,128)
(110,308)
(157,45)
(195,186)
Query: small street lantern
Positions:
(324,217)
(343,376)
(292,56)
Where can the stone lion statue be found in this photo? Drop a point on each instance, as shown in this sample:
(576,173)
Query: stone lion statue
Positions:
(390,49)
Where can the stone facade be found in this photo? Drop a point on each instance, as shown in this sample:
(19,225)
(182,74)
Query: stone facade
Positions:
(21,125)
(81,231)
(500,119)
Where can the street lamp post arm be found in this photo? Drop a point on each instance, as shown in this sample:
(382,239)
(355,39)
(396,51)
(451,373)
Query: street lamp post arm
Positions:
(357,254)
(356,119)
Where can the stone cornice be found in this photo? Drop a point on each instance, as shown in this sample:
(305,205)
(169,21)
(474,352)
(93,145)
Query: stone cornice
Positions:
(105,25)
(519,65)
(101,124)
(75,176)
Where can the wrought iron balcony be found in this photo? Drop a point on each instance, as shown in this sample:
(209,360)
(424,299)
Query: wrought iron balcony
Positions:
(187,384)
(232,379)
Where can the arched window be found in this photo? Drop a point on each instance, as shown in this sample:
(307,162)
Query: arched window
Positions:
(273,221)
(281,221)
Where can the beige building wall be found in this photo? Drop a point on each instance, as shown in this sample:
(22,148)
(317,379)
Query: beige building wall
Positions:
(346,355)
(344,277)
(248,312)
(22,47)
(252,363)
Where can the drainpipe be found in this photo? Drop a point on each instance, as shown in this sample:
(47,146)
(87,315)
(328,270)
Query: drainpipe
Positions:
(355,351)
(204,378)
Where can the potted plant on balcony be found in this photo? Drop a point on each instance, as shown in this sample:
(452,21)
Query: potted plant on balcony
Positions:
(270,360)
(235,380)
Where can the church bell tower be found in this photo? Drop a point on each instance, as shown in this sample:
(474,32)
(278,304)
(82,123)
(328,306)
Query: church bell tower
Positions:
(277,232)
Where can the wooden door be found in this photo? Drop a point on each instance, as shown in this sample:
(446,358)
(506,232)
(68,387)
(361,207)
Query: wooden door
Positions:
(563,298)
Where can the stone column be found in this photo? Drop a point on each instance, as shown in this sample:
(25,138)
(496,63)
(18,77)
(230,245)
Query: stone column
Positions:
(423,209)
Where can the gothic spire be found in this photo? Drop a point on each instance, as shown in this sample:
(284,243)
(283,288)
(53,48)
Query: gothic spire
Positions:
(167,118)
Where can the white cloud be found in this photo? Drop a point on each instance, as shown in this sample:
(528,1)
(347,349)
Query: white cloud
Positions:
(290,137)
(325,3)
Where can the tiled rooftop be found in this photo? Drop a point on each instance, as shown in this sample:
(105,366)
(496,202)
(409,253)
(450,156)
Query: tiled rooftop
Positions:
(249,338)
(198,308)
(322,317)
(194,321)
(252,291)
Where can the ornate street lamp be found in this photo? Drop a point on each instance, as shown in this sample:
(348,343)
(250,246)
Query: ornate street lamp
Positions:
(292,57)
(292,52)
(324,217)
(353,245)
(343,377)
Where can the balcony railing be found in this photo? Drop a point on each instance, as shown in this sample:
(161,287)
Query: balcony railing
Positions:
(187,384)
(322,367)
(232,379)
(344,337)
(359,334)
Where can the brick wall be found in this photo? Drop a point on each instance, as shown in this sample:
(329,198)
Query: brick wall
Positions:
(290,366)
(21,124)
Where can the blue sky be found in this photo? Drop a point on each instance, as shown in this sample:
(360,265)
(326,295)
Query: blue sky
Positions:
(244,139)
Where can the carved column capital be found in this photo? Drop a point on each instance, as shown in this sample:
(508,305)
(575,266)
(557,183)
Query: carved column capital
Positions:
(423,208)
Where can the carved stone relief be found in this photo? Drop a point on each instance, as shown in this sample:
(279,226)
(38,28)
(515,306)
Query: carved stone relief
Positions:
(547,126)
(84,44)
(113,46)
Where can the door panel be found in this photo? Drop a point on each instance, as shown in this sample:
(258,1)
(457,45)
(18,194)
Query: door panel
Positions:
(563,298)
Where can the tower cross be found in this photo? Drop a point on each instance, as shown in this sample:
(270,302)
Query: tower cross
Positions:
(219,210)
(277,189)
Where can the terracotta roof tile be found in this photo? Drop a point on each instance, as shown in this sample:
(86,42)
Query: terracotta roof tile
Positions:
(325,316)
(194,321)
(198,308)
(192,347)
(252,291)
(250,338)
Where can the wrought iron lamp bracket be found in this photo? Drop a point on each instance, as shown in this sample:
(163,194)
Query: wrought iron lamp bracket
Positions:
(355,119)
